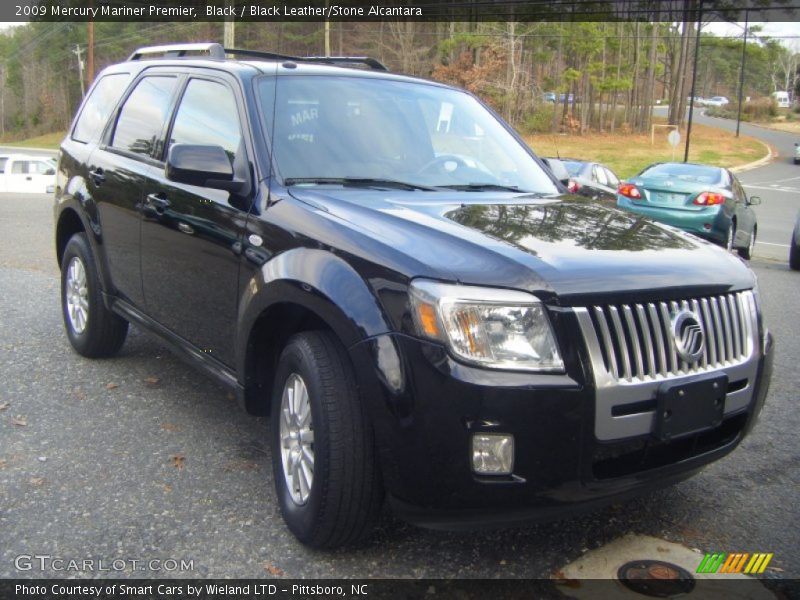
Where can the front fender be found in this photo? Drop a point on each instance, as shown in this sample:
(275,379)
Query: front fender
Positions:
(318,281)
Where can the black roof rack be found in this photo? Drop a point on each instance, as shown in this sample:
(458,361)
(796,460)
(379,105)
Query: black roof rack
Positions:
(216,51)
(328,60)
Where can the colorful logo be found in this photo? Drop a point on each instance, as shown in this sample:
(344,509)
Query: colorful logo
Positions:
(741,562)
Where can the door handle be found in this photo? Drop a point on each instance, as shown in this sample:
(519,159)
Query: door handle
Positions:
(29,178)
(158,202)
(98,175)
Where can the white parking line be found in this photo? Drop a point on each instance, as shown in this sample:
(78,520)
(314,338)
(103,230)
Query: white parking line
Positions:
(771,244)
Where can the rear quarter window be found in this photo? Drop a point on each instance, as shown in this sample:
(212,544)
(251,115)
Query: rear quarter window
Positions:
(98,107)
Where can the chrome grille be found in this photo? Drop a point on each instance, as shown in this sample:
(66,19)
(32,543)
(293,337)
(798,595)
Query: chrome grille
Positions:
(636,339)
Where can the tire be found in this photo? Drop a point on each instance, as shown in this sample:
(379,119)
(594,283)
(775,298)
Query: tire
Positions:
(94,331)
(747,252)
(794,254)
(340,504)
(730,237)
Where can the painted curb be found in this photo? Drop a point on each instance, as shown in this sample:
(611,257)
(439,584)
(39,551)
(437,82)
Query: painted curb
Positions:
(23,149)
(756,163)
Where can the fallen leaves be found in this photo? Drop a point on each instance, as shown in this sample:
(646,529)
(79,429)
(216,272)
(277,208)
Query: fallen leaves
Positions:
(273,570)
(170,427)
(178,461)
(152,381)
(3,405)
(37,481)
(112,386)
(19,421)
(241,465)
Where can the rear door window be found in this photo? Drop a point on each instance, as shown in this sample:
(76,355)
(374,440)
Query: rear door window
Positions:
(20,167)
(99,105)
(141,119)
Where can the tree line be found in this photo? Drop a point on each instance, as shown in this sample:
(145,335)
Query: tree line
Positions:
(541,76)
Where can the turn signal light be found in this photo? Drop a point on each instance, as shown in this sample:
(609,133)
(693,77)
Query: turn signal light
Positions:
(629,191)
(709,199)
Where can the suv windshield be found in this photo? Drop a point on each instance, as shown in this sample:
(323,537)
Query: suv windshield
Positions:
(341,128)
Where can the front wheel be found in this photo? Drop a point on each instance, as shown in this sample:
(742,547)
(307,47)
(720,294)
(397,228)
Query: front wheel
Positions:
(93,330)
(323,449)
(747,253)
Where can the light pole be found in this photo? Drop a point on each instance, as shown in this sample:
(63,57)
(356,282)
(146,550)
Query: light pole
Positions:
(741,74)
(694,79)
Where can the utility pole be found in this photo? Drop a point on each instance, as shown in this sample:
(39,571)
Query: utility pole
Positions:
(89,52)
(694,79)
(229,33)
(2,99)
(327,31)
(741,74)
(79,53)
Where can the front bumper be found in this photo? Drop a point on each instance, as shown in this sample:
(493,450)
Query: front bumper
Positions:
(425,407)
(709,222)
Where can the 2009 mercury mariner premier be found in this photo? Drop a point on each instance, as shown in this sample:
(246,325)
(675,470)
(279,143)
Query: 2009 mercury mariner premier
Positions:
(383,266)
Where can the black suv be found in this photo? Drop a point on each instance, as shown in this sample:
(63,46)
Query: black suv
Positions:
(384,267)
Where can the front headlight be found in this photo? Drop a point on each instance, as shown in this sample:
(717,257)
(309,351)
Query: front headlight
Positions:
(495,328)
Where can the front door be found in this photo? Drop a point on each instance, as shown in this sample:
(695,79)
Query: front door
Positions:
(191,234)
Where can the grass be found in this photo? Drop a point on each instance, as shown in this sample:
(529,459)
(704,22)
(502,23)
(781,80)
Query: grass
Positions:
(627,154)
(50,141)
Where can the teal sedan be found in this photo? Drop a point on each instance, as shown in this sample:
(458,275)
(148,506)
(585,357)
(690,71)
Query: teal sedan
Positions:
(706,201)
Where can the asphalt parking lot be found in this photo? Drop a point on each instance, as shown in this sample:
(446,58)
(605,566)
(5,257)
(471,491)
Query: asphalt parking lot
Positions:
(141,458)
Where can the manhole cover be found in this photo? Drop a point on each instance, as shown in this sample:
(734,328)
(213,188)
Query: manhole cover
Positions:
(656,578)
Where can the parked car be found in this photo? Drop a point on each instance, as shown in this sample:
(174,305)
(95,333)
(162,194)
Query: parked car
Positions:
(559,171)
(446,329)
(20,173)
(704,200)
(592,179)
(549,97)
(794,246)
(716,101)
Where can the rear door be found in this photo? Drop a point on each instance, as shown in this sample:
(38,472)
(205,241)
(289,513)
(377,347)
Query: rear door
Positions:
(191,235)
(745,215)
(19,176)
(120,169)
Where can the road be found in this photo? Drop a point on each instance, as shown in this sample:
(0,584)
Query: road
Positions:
(778,185)
(139,457)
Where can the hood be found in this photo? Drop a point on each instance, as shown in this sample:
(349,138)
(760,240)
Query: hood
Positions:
(569,245)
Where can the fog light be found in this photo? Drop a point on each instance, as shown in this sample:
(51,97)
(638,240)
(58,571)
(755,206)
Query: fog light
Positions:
(492,453)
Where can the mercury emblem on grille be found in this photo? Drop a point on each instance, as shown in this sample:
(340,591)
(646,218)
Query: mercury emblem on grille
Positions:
(688,335)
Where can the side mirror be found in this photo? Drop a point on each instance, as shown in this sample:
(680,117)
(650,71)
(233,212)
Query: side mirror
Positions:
(50,172)
(204,166)
(754,200)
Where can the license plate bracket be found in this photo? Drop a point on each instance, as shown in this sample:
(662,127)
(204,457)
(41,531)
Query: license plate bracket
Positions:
(691,406)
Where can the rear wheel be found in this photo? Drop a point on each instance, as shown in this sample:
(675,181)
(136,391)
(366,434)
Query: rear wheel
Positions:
(93,330)
(323,449)
(730,237)
(747,253)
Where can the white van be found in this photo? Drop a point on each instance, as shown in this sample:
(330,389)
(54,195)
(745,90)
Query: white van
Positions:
(31,174)
(782,99)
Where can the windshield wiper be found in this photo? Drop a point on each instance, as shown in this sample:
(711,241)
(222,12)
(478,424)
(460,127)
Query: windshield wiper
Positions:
(359,182)
(484,187)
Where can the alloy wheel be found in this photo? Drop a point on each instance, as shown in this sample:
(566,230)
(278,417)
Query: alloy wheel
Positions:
(297,439)
(77,295)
